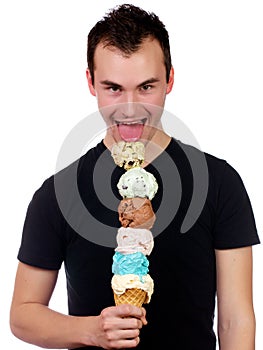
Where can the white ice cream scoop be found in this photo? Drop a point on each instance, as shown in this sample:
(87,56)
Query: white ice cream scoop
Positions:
(132,240)
(137,182)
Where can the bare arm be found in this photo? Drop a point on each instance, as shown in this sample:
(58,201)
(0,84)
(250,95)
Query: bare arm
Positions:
(236,319)
(34,322)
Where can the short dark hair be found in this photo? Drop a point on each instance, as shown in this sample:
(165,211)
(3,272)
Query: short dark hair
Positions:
(125,27)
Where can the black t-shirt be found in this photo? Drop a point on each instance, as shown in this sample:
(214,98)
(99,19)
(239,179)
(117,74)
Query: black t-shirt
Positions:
(201,205)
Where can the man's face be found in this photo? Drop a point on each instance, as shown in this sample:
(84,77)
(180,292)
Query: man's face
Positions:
(130,91)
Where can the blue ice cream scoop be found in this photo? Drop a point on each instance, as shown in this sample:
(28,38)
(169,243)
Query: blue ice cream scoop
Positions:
(135,263)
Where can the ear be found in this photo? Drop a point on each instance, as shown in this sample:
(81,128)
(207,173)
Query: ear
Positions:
(91,87)
(170,82)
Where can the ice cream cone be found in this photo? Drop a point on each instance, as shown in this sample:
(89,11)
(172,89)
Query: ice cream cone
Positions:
(133,296)
(131,283)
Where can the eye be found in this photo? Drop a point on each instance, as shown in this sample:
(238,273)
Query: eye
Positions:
(114,89)
(146,87)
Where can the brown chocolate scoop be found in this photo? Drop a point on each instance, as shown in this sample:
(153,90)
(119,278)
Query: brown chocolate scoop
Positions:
(136,212)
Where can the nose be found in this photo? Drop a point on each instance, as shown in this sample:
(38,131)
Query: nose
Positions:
(129,105)
(129,109)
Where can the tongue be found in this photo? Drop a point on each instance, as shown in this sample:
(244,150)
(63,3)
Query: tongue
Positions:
(130,132)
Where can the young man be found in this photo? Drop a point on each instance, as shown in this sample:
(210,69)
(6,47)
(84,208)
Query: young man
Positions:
(130,73)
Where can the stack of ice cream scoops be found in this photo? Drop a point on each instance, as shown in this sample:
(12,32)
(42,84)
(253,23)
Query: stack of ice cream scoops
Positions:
(131,282)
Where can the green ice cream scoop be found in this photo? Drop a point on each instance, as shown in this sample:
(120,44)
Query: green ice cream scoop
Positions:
(137,182)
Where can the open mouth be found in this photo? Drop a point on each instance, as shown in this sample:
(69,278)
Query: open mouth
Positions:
(131,122)
(131,131)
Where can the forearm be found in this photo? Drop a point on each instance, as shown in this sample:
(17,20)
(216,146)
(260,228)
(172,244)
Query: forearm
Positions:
(239,334)
(37,324)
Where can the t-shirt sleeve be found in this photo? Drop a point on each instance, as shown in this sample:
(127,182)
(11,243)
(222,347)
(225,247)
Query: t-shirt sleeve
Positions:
(42,243)
(235,225)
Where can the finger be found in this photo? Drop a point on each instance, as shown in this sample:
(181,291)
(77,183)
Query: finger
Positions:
(127,310)
(125,342)
(128,333)
(131,323)
(143,318)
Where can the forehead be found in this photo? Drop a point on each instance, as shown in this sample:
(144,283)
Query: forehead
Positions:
(148,59)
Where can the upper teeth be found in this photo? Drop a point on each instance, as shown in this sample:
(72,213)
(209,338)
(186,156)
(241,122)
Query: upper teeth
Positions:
(133,122)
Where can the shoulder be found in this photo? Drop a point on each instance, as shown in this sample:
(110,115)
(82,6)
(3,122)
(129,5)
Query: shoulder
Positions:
(66,164)
(47,192)
(226,173)
(222,178)
(217,166)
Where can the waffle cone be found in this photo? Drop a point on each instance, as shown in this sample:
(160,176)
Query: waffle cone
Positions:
(133,296)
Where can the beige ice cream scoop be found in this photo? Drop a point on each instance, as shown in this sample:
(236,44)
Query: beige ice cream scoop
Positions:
(128,154)
(131,289)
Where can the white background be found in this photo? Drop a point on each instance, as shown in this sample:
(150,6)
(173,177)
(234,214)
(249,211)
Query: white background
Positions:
(218,92)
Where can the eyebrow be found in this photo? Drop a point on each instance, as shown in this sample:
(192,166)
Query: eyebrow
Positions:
(146,82)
